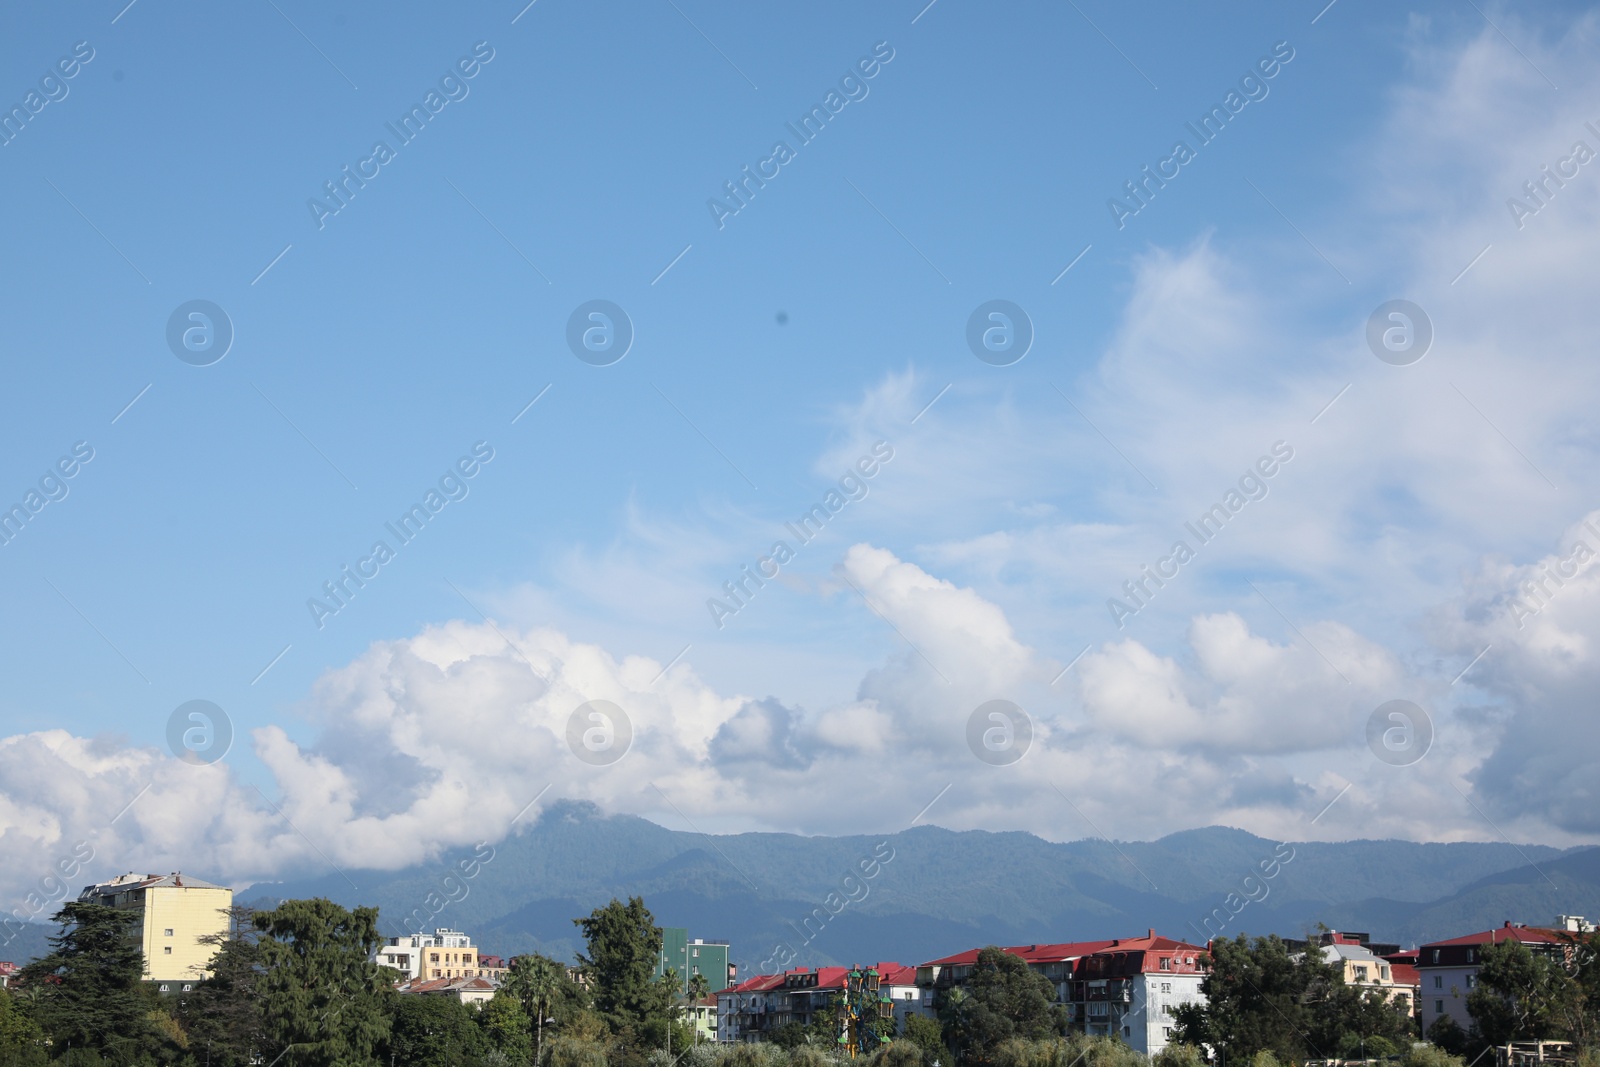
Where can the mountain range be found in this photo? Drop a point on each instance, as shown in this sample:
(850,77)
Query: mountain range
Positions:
(919,894)
(932,892)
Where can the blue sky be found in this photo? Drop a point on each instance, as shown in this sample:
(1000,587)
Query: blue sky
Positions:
(770,353)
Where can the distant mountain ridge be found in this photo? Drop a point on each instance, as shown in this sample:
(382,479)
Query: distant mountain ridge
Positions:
(941,891)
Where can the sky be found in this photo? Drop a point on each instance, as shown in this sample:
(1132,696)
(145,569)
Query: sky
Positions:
(770,392)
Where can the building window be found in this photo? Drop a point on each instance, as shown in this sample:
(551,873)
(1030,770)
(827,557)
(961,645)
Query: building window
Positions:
(167,932)
(1166,1031)
(1438,1007)
(696,953)
(1166,964)
(1166,987)
(166,950)
(1438,981)
(187,986)
(165,987)
(1472,981)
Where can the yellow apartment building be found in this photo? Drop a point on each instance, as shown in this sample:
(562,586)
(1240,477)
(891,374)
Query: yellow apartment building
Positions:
(177,913)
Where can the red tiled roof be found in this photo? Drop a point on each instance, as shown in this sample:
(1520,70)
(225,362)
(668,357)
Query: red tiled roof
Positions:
(1056,953)
(889,973)
(1405,974)
(446,985)
(1032,953)
(1528,935)
(759,983)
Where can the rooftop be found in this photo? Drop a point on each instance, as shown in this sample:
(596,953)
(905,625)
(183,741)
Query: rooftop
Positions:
(125,882)
(1528,935)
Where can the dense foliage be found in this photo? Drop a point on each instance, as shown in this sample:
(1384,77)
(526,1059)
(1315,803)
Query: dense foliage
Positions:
(1261,997)
(1002,1000)
(1551,995)
(297,985)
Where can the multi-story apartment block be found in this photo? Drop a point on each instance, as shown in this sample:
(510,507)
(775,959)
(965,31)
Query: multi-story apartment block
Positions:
(176,913)
(1149,978)
(759,1005)
(1365,970)
(688,958)
(1126,987)
(444,953)
(742,1010)
(1449,969)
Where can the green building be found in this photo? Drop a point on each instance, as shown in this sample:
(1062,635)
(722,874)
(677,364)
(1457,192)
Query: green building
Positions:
(710,958)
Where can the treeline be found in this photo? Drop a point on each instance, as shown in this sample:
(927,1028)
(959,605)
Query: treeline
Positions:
(295,986)
(1267,1005)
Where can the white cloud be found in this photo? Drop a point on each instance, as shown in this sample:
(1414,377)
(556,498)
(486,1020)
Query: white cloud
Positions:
(1389,540)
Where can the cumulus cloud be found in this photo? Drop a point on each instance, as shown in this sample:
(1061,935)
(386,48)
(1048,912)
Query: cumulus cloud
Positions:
(1210,706)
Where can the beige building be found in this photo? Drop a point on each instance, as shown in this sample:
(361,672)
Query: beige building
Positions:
(177,913)
(441,954)
(1367,971)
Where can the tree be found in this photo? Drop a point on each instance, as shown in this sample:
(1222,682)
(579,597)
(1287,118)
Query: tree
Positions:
(321,996)
(1447,1034)
(1521,996)
(1431,1056)
(21,1039)
(1259,997)
(222,1014)
(1358,1022)
(433,1031)
(898,1053)
(927,1035)
(790,1034)
(1178,1055)
(89,994)
(567,1051)
(1002,998)
(624,943)
(507,1028)
(546,992)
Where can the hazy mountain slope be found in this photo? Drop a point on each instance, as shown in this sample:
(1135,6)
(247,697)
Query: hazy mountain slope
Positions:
(943,891)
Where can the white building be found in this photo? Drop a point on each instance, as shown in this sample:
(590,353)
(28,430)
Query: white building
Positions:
(444,953)
(1124,987)
(1449,968)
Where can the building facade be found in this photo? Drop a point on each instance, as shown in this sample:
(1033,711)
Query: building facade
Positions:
(1125,987)
(466,990)
(176,914)
(1449,969)
(755,1007)
(697,956)
(444,953)
(702,1015)
(1367,971)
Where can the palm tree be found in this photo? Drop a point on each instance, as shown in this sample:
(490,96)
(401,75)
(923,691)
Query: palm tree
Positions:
(699,989)
(534,980)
